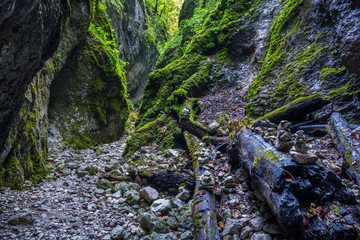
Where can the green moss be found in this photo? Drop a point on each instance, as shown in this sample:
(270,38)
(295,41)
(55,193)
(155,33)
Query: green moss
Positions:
(267,156)
(284,108)
(227,118)
(13,176)
(328,72)
(164,132)
(285,63)
(348,157)
(348,90)
(220,119)
(107,91)
(102,51)
(81,141)
(163,82)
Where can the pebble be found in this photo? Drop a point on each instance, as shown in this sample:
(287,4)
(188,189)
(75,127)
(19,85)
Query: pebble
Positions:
(260,236)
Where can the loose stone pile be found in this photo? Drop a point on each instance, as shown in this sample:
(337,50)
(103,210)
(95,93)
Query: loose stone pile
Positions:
(240,210)
(75,202)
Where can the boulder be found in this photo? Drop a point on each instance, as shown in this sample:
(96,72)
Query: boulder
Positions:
(161,205)
(22,218)
(117,233)
(234,226)
(149,194)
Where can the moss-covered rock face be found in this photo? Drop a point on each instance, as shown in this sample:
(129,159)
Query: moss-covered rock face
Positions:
(88,101)
(30,34)
(188,71)
(279,50)
(26,148)
(306,54)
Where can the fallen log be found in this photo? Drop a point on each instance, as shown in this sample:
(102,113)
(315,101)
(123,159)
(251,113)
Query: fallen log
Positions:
(196,130)
(315,121)
(111,177)
(163,180)
(347,145)
(204,214)
(297,110)
(289,189)
(204,208)
(319,126)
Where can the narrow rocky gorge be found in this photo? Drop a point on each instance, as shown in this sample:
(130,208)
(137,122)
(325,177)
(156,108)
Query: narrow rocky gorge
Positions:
(179,119)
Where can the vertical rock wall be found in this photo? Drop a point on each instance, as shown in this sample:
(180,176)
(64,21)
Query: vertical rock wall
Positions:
(26,147)
(129,23)
(30,33)
(81,88)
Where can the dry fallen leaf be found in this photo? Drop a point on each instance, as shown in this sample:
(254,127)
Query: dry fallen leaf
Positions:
(221,225)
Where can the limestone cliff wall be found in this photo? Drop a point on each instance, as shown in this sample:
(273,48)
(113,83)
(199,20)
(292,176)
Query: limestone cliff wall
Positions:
(25,152)
(30,33)
(140,55)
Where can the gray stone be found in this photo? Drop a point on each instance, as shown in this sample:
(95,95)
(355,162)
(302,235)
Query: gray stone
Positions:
(272,229)
(257,223)
(236,237)
(146,221)
(283,146)
(116,195)
(117,233)
(172,223)
(161,205)
(168,236)
(82,173)
(260,236)
(72,165)
(104,184)
(303,158)
(234,226)
(149,194)
(100,191)
(184,194)
(150,222)
(241,174)
(132,197)
(126,186)
(177,203)
(186,112)
(245,232)
(172,153)
(187,235)
(213,127)
(91,169)
(23,218)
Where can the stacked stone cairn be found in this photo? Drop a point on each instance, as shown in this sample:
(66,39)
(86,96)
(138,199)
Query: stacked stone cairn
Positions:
(300,152)
(283,139)
(266,129)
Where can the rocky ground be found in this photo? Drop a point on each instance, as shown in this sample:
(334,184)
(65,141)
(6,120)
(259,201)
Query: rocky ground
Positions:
(74,202)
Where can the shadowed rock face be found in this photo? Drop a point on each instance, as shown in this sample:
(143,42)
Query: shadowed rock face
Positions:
(30,34)
(25,151)
(129,24)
